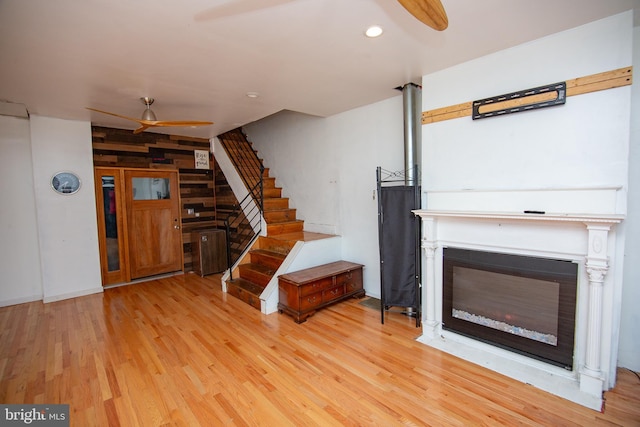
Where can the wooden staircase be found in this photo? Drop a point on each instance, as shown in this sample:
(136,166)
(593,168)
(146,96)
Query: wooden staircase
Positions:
(283,231)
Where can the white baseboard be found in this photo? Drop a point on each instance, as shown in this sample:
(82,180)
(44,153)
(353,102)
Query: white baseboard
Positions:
(60,297)
(22,300)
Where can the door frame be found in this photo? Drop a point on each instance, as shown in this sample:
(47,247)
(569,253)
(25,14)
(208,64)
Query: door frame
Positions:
(123,275)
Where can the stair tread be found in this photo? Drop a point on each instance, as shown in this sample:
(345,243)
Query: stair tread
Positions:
(284,226)
(276,245)
(262,269)
(283,221)
(304,236)
(266,252)
(275,203)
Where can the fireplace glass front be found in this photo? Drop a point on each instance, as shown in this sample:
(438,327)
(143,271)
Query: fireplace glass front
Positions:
(524,304)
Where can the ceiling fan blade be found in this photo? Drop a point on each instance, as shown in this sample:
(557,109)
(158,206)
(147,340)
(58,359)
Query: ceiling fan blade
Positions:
(146,124)
(429,12)
(141,129)
(162,123)
(113,114)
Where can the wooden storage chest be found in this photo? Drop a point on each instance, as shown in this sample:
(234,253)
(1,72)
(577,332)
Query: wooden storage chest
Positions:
(302,293)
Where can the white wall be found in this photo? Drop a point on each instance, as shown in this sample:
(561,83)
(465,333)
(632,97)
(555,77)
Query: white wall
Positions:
(629,355)
(20,257)
(68,234)
(327,167)
(567,159)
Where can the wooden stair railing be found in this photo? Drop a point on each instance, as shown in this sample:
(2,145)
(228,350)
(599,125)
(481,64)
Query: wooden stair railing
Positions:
(283,228)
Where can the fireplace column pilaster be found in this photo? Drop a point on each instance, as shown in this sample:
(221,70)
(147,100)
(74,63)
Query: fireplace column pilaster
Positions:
(429,245)
(597,265)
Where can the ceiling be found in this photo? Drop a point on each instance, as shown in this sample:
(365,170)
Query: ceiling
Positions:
(200,58)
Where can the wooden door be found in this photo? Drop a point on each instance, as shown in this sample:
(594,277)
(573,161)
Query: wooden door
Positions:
(110,208)
(153,222)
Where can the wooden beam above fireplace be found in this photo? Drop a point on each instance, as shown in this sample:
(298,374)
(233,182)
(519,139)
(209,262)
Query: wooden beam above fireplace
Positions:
(578,86)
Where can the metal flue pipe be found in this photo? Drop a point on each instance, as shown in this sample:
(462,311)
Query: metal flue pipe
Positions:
(412,104)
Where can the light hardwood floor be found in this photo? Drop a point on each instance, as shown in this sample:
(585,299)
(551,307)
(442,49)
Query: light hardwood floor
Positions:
(178,351)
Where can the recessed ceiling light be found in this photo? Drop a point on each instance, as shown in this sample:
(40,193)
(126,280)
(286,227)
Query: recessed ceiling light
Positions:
(373,31)
(253,94)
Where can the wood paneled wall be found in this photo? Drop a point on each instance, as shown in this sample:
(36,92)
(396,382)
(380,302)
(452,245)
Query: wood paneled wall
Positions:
(121,148)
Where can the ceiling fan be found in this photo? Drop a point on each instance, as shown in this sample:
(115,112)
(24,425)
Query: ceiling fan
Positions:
(429,12)
(149,120)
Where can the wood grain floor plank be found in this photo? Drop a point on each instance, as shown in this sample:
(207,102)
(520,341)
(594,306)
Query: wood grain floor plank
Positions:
(179,352)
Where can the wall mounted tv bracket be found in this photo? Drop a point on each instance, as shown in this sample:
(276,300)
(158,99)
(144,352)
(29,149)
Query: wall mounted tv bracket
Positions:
(524,100)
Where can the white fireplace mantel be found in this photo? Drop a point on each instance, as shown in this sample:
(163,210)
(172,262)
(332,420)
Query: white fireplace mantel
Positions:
(521,216)
(484,230)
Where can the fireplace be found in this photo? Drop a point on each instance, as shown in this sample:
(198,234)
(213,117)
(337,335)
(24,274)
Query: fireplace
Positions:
(520,303)
(532,296)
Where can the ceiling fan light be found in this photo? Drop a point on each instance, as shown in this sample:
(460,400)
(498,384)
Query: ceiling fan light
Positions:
(148,115)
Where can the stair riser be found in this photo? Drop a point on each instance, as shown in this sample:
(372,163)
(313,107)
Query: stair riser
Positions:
(274,193)
(268,183)
(280,203)
(254,276)
(243,295)
(269,261)
(276,245)
(284,228)
(280,216)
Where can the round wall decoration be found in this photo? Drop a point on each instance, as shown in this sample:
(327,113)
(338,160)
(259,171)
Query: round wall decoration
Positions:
(65,182)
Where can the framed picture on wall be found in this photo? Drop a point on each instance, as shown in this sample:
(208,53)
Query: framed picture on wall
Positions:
(201,158)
